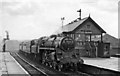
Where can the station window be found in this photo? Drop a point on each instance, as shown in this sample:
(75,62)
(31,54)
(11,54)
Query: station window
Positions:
(78,35)
(70,35)
(82,30)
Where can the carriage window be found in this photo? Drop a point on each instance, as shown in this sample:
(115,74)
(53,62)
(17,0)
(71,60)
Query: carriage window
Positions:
(32,42)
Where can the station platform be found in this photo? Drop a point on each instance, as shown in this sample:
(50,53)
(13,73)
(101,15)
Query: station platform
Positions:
(9,66)
(111,63)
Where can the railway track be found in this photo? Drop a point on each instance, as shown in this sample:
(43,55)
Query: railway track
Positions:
(35,69)
(32,70)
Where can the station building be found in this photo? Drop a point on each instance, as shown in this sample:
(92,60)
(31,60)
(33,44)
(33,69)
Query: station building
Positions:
(114,44)
(83,31)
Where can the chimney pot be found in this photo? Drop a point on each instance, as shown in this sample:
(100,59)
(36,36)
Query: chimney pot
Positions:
(79,14)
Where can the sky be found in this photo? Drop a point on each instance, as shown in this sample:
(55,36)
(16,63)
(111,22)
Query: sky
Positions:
(30,19)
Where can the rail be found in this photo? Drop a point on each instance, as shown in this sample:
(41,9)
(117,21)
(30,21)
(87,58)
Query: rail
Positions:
(31,69)
(62,73)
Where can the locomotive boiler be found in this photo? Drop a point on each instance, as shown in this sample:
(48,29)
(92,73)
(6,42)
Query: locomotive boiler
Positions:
(56,52)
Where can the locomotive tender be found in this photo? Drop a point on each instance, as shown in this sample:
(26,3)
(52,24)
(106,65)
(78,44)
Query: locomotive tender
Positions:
(53,51)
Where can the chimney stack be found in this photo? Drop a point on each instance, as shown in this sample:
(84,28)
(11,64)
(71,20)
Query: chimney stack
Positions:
(79,14)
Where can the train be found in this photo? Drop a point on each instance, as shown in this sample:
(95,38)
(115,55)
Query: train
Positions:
(54,51)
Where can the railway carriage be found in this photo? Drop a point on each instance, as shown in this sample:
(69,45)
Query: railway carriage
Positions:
(24,47)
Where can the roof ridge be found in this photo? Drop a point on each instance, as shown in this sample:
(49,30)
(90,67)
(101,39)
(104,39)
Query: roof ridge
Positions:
(84,18)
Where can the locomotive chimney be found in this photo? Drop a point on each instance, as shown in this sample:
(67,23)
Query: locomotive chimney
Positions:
(79,14)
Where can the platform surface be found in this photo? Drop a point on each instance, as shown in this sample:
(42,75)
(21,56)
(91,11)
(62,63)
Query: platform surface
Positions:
(112,63)
(10,66)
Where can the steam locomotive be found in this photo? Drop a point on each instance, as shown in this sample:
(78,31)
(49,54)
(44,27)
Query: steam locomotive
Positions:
(56,52)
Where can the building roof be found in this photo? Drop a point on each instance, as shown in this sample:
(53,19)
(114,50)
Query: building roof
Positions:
(75,23)
(114,42)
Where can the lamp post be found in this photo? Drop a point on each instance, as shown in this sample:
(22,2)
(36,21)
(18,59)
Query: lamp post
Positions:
(62,19)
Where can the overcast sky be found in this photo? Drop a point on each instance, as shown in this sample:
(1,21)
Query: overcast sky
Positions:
(29,19)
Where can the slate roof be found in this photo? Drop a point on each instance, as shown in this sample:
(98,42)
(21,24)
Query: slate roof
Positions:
(74,24)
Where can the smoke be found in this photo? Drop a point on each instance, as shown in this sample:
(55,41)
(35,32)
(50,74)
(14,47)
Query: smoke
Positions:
(16,8)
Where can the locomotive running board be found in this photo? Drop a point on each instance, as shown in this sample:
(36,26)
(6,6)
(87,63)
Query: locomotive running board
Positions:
(47,48)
